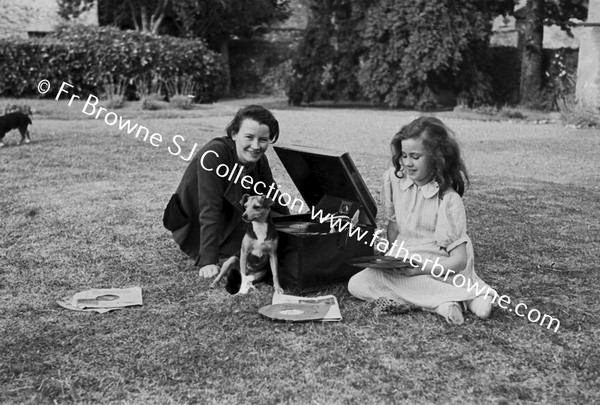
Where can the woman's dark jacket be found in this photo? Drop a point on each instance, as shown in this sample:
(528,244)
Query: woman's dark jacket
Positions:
(204,214)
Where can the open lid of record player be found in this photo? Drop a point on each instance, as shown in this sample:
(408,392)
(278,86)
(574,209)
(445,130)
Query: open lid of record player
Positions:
(320,172)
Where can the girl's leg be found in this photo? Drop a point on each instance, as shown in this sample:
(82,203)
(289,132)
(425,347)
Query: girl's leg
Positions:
(375,287)
(365,285)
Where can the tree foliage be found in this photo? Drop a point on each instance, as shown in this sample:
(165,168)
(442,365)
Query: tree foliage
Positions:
(72,9)
(559,12)
(396,52)
(537,14)
(216,20)
(141,15)
(418,49)
(327,61)
(211,20)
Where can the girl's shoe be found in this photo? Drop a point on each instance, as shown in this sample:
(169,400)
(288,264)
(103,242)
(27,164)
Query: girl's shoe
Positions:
(481,306)
(452,312)
(384,305)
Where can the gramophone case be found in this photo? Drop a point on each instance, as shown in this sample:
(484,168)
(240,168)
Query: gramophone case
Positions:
(311,255)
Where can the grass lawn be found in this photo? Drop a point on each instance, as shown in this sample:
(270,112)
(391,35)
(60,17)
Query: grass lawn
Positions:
(81,207)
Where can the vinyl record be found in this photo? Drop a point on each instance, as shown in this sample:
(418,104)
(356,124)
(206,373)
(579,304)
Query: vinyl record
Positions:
(379,262)
(295,312)
(294,225)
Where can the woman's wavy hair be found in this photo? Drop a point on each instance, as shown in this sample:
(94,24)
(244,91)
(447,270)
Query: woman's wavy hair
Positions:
(448,166)
(257,113)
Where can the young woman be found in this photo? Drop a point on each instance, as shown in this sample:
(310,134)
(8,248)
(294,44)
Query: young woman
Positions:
(204,214)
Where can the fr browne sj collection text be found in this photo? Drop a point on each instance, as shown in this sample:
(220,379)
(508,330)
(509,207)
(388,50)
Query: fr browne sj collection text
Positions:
(176,146)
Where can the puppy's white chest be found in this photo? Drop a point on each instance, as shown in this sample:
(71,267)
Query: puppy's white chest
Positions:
(260,230)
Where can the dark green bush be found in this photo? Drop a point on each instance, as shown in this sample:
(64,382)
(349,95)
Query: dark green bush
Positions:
(505,71)
(326,64)
(25,62)
(559,70)
(421,53)
(87,57)
(255,64)
(418,50)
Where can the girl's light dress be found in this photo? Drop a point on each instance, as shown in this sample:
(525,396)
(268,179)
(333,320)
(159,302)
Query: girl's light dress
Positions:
(430,225)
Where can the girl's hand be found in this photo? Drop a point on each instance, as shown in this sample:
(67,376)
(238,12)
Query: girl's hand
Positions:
(378,238)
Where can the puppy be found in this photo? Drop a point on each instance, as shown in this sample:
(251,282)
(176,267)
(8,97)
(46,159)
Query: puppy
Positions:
(15,120)
(259,245)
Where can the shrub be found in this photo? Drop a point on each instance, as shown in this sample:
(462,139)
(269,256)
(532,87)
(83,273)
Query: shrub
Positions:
(577,116)
(559,67)
(114,92)
(24,62)
(560,71)
(181,102)
(276,80)
(326,64)
(505,72)
(416,50)
(153,102)
(84,56)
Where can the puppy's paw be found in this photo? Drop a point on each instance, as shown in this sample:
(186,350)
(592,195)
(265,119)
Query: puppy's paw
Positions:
(245,287)
(278,290)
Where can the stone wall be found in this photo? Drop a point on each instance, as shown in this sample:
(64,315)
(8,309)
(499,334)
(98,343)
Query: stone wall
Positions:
(588,73)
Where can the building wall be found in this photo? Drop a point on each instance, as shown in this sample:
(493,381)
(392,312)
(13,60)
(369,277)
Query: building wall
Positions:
(506,31)
(28,18)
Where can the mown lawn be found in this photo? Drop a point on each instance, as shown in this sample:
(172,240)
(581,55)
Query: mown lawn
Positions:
(81,208)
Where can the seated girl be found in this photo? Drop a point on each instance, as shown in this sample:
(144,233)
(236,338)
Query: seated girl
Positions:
(427,224)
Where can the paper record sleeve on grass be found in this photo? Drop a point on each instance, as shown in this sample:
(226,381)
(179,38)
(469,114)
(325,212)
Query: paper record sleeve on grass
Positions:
(103,300)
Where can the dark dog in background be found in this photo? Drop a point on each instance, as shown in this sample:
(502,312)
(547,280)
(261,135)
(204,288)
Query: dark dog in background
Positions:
(15,120)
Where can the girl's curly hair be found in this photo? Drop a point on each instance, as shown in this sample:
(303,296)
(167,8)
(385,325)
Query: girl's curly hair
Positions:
(448,166)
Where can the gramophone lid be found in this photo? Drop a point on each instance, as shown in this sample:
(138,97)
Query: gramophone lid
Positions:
(320,172)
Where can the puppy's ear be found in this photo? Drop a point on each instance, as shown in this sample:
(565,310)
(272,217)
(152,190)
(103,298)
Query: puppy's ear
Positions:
(244,199)
(267,202)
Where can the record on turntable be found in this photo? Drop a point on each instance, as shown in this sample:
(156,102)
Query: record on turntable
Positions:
(295,312)
(380,262)
(298,227)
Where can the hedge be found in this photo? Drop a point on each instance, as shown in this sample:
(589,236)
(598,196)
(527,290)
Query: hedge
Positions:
(89,57)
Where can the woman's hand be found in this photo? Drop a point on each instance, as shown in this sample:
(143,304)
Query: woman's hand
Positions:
(209,271)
